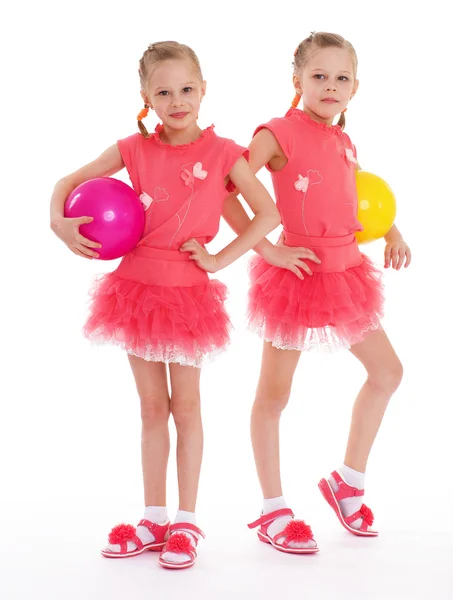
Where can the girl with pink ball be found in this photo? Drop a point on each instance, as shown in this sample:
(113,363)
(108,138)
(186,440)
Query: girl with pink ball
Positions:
(117,213)
(159,304)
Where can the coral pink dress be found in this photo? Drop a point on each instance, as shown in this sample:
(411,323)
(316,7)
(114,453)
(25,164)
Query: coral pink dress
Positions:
(317,198)
(158,304)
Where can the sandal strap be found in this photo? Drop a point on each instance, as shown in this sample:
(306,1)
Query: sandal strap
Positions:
(158,530)
(353,517)
(150,526)
(363,513)
(345,490)
(134,539)
(137,541)
(269,517)
(188,526)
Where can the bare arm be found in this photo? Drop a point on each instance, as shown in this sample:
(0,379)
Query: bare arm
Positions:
(237,218)
(393,235)
(265,220)
(108,163)
(264,149)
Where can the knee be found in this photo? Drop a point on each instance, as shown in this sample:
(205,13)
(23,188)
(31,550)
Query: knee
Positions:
(154,409)
(272,399)
(388,378)
(185,410)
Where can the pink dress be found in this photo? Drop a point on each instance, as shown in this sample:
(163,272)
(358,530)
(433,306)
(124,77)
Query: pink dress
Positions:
(316,196)
(158,304)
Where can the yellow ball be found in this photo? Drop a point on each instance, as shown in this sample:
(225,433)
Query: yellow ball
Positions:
(376,207)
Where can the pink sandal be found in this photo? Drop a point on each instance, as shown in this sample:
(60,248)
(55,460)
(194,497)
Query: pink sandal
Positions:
(347,491)
(121,534)
(181,544)
(296,531)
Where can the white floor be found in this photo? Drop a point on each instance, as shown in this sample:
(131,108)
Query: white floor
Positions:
(63,563)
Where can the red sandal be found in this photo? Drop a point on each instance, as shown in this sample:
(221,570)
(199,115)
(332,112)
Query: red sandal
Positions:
(295,531)
(181,544)
(347,491)
(121,534)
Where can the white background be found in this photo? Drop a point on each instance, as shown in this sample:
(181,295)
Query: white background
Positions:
(70,427)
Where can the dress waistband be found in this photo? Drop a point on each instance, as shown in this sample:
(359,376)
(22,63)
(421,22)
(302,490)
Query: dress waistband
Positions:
(156,267)
(335,253)
(307,241)
(148,252)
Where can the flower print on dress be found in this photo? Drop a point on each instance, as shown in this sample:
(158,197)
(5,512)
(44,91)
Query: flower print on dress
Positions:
(159,195)
(189,174)
(302,184)
(196,172)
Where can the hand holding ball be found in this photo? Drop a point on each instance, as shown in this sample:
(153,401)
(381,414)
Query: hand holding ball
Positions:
(119,217)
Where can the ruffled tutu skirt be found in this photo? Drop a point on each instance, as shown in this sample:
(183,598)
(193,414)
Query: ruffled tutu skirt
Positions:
(138,308)
(334,308)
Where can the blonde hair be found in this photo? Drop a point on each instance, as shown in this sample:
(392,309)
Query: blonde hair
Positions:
(156,53)
(316,41)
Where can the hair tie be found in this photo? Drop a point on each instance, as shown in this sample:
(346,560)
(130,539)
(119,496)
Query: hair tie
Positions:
(143,113)
(295,101)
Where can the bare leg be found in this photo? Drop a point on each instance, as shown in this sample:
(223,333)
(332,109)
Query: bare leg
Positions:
(384,372)
(272,395)
(151,382)
(185,408)
(152,387)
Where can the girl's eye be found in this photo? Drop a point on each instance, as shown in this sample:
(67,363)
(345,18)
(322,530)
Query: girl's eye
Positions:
(343,78)
(163,93)
(319,76)
(187,89)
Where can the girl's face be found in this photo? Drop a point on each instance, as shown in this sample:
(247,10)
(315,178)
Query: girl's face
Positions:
(327,83)
(175,91)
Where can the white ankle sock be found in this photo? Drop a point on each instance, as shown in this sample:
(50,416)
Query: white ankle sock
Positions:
(271,504)
(349,506)
(155,514)
(182,516)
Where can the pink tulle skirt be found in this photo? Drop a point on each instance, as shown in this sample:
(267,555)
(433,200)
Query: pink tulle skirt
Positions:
(329,310)
(139,308)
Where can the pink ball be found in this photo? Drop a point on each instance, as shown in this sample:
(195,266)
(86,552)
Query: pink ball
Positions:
(119,216)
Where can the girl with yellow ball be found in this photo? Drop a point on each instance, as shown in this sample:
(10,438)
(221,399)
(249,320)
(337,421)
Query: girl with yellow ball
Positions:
(316,288)
(376,213)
